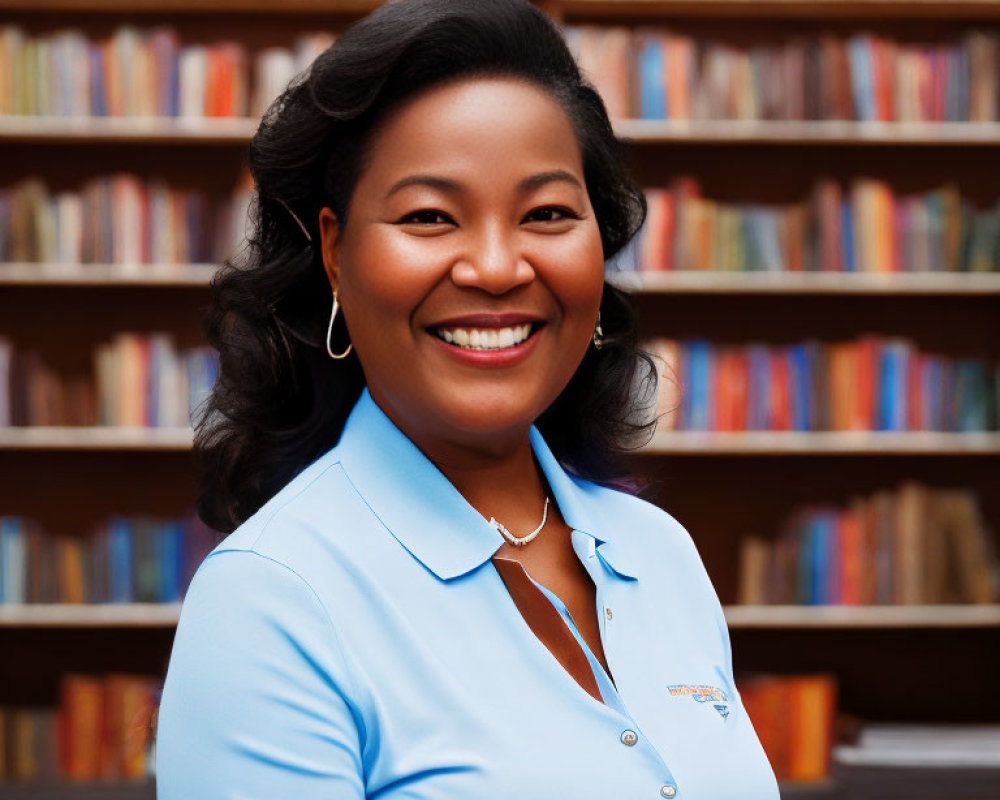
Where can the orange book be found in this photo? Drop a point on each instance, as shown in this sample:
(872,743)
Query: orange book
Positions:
(81,726)
(679,62)
(128,706)
(112,79)
(795,237)
(812,702)
(766,704)
(865,382)
(850,557)
(71,568)
(213,81)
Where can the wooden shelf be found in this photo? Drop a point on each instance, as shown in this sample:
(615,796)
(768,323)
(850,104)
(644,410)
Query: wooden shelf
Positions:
(822,132)
(127,130)
(155,615)
(154,275)
(722,443)
(931,616)
(642,9)
(93,615)
(832,283)
(238,131)
(822,443)
(95,438)
(652,282)
(782,9)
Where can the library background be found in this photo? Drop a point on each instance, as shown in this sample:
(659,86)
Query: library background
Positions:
(819,275)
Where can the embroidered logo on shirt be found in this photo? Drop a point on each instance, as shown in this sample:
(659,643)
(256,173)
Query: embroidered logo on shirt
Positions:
(712,695)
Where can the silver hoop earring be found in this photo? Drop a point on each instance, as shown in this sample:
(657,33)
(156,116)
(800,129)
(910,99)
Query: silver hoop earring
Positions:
(598,337)
(329,330)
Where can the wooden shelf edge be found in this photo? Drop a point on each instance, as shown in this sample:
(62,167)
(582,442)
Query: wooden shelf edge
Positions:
(156,615)
(152,275)
(653,282)
(821,443)
(95,438)
(643,9)
(238,131)
(95,615)
(766,443)
(917,616)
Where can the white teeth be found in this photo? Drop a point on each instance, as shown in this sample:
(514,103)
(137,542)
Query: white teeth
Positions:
(486,339)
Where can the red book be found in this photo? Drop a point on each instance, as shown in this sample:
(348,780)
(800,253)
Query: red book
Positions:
(781,391)
(867,366)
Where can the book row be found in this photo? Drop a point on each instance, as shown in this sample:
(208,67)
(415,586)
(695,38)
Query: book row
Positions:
(137,380)
(102,730)
(121,219)
(658,73)
(864,227)
(127,559)
(874,383)
(909,545)
(143,72)
(794,717)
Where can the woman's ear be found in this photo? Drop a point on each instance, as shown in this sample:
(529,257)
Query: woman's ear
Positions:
(329,233)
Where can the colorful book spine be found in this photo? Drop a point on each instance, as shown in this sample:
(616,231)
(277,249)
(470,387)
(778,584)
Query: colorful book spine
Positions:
(913,545)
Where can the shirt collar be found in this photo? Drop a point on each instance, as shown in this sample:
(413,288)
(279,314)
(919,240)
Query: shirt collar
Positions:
(430,517)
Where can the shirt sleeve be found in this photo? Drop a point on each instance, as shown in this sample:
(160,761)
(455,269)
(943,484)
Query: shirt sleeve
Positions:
(256,703)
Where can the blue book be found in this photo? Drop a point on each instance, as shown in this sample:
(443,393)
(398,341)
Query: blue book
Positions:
(847,236)
(798,378)
(120,560)
(807,544)
(892,386)
(859,54)
(699,384)
(652,94)
(820,561)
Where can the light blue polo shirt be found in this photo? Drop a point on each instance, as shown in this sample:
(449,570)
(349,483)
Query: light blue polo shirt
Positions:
(353,640)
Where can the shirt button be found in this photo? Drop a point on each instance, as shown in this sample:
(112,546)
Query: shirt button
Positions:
(629,738)
(667,790)
(607,612)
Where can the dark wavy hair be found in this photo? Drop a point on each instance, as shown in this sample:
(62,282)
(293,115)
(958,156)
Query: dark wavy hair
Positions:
(280,401)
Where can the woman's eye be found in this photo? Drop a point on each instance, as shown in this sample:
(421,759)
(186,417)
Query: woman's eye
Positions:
(426,217)
(551,214)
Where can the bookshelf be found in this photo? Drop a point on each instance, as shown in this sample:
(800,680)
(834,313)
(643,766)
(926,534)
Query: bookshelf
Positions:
(758,475)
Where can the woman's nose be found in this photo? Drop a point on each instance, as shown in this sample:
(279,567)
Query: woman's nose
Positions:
(494,263)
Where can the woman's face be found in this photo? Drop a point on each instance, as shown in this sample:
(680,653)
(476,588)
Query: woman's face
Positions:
(469,230)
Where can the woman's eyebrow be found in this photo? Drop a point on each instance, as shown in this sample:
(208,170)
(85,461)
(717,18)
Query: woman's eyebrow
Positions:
(528,184)
(533,182)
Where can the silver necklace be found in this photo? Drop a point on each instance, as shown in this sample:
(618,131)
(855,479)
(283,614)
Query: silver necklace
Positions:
(514,540)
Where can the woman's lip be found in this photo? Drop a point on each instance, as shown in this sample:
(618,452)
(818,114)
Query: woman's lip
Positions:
(504,357)
(486,321)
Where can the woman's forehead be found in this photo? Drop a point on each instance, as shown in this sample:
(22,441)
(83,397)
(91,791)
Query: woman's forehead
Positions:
(478,127)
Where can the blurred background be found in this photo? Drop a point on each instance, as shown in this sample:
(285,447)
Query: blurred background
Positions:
(818,277)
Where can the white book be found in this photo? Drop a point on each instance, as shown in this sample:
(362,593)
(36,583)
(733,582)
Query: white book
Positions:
(193,67)
(274,67)
(69,228)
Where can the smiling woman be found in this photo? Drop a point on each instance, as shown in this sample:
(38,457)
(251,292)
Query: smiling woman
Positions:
(431,587)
